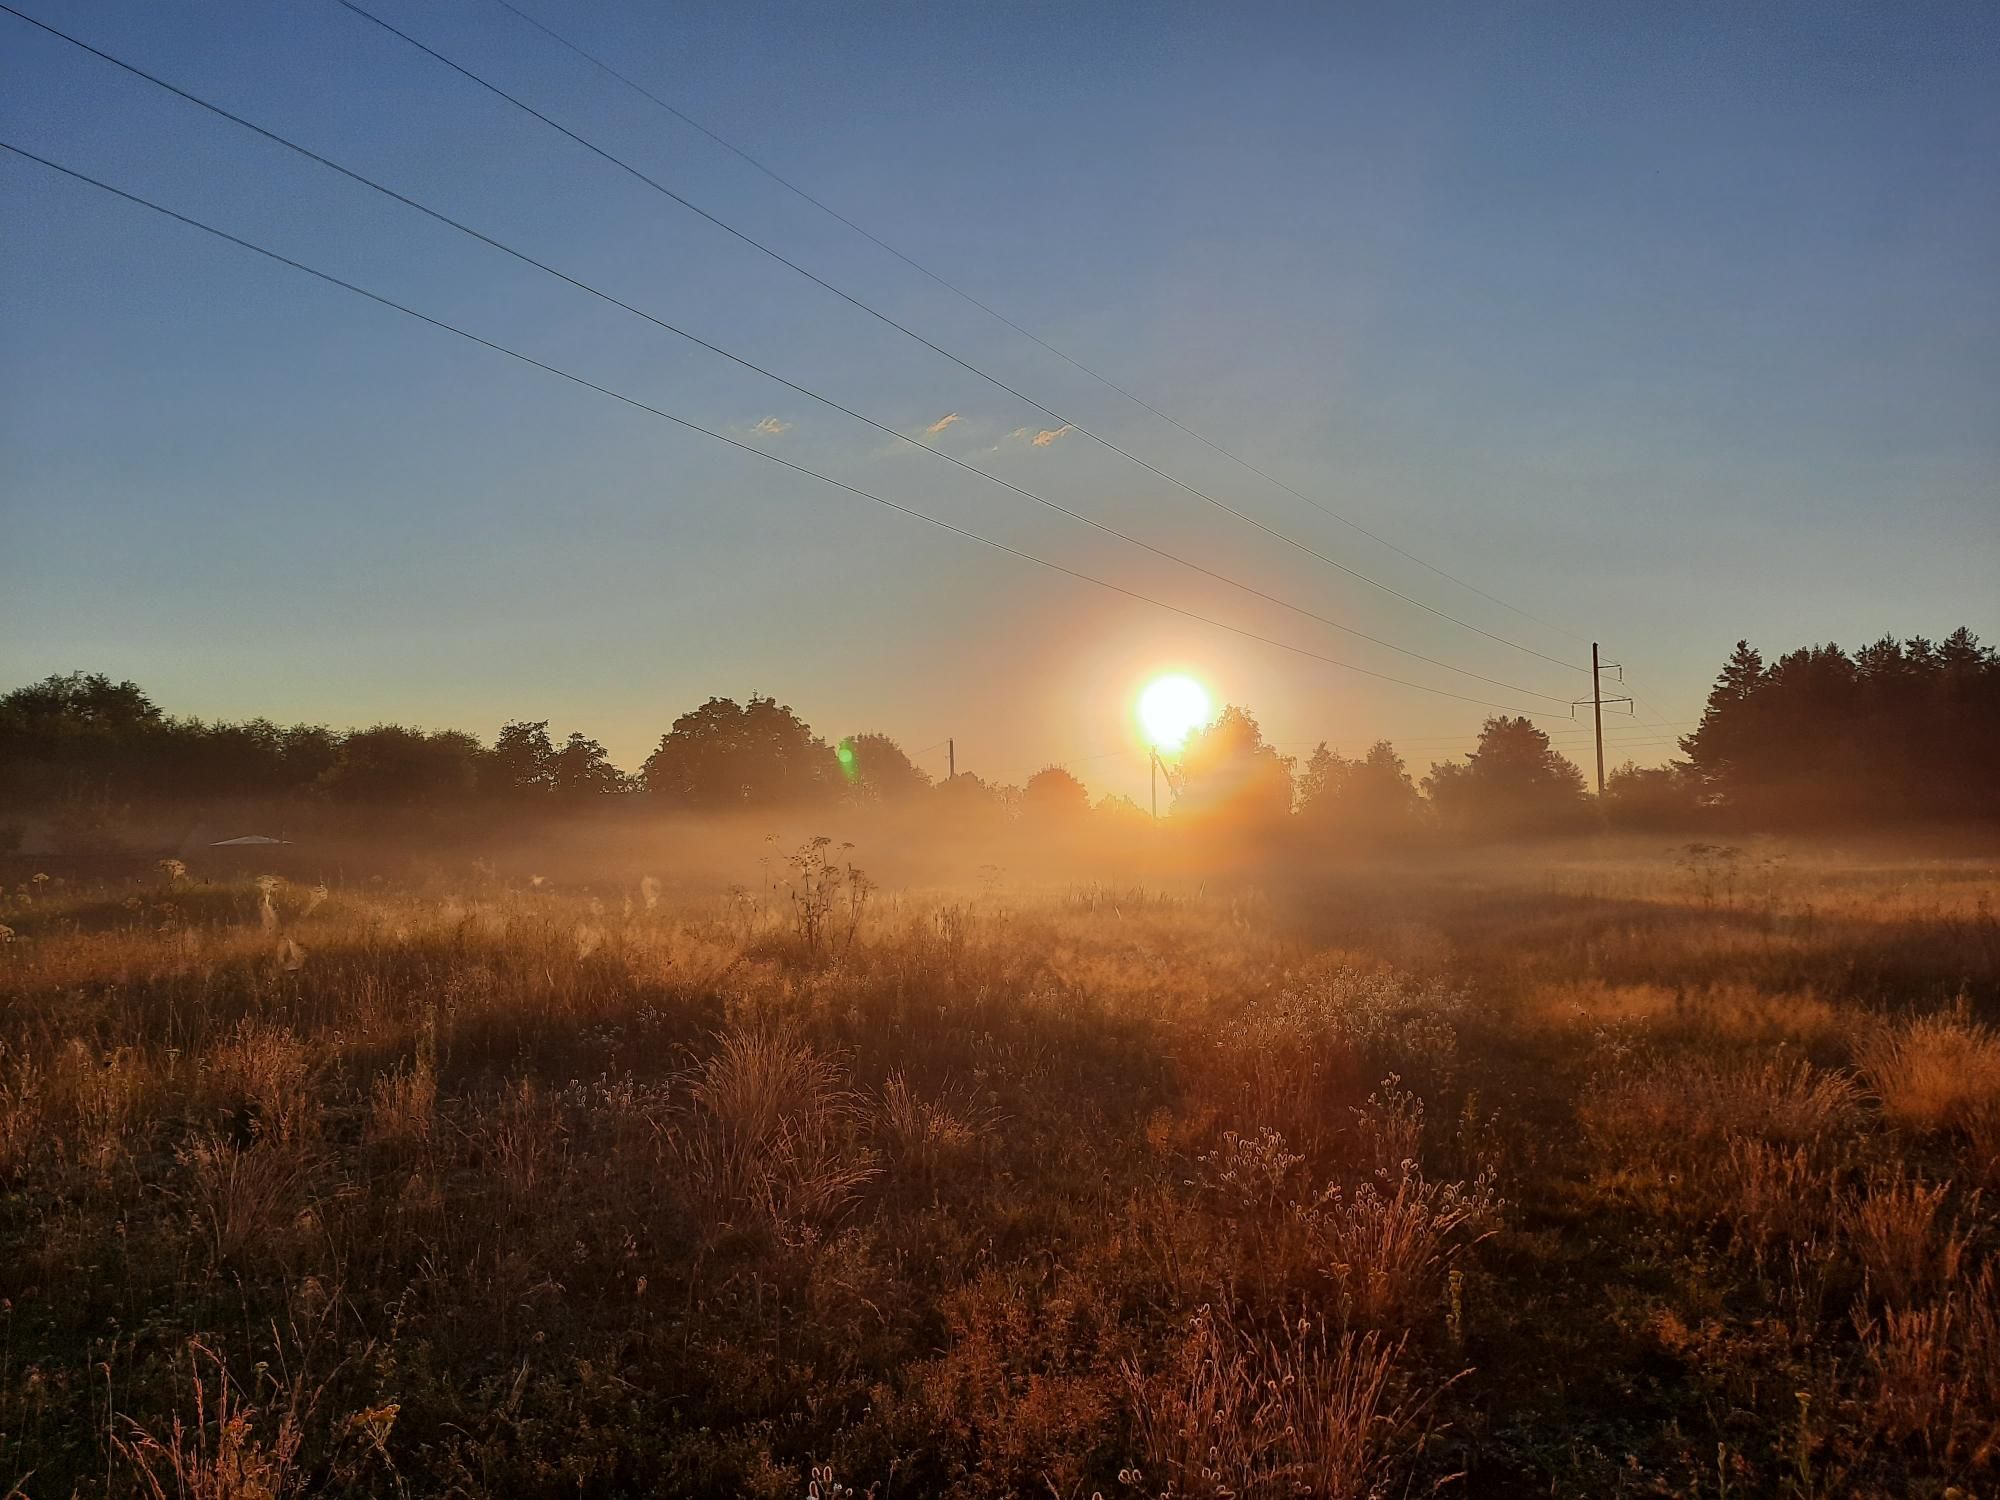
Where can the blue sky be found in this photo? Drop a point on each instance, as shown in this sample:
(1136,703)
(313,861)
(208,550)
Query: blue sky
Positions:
(1668,324)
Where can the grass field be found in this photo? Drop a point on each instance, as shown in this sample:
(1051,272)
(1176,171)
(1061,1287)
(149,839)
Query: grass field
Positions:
(1634,1172)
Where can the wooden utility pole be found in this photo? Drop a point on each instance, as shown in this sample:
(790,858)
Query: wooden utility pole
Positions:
(1597,700)
(1597,716)
(951,759)
(1161,768)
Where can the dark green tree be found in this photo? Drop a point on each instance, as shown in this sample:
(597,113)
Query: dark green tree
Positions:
(877,770)
(581,771)
(1652,799)
(1370,800)
(394,765)
(1513,784)
(521,764)
(1895,731)
(730,755)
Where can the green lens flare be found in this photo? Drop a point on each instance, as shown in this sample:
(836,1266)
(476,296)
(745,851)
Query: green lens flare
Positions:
(844,753)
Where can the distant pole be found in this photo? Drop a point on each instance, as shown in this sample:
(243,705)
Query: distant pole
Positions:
(1597,700)
(1597,716)
(951,759)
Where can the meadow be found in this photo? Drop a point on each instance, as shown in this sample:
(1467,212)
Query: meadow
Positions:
(1586,1170)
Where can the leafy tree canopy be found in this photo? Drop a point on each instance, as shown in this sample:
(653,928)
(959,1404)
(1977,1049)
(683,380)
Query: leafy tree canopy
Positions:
(756,754)
(1370,799)
(1513,783)
(877,770)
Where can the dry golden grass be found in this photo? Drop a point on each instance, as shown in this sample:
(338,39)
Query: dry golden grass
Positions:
(221,1454)
(1565,1183)
(1935,1072)
(1906,1236)
(1701,1102)
(1264,1415)
(1717,1013)
(1387,1245)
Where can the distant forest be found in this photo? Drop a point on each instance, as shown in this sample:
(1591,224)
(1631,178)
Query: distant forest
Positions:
(1894,732)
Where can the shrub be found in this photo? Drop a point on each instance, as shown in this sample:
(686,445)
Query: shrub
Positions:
(261,1076)
(223,1456)
(926,1135)
(1773,1195)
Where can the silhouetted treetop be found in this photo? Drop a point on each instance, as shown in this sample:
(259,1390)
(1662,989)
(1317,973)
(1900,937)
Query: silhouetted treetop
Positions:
(877,770)
(521,762)
(726,755)
(1054,795)
(582,770)
(1369,800)
(1513,783)
(77,701)
(1907,729)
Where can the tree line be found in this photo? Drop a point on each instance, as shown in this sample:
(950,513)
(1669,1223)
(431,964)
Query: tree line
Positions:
(1897,730)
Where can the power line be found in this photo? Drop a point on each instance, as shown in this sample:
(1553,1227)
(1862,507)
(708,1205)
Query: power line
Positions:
(826,208)
(1555,736)
(716,349)
(632,401)
(911,333)
(993,312)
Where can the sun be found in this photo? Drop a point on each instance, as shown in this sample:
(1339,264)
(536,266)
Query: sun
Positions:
(1170,709)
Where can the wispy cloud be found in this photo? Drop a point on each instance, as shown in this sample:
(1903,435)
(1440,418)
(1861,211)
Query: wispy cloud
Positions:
(1049,434)
(772,427)
(941,423)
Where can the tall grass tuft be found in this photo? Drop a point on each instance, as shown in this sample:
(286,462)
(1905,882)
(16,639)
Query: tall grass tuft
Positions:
(776,1132)
(1898,1232)
(222,1456)
(1935,1072)
(1388,1244)
(244,1198)
(1255,1416)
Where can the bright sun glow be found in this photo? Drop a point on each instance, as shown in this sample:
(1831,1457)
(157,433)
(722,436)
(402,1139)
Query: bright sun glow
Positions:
(1170,709)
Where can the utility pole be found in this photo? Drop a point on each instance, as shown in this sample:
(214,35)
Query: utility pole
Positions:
(951,759)
(1160,768)
(1597,716)
(1597,700)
